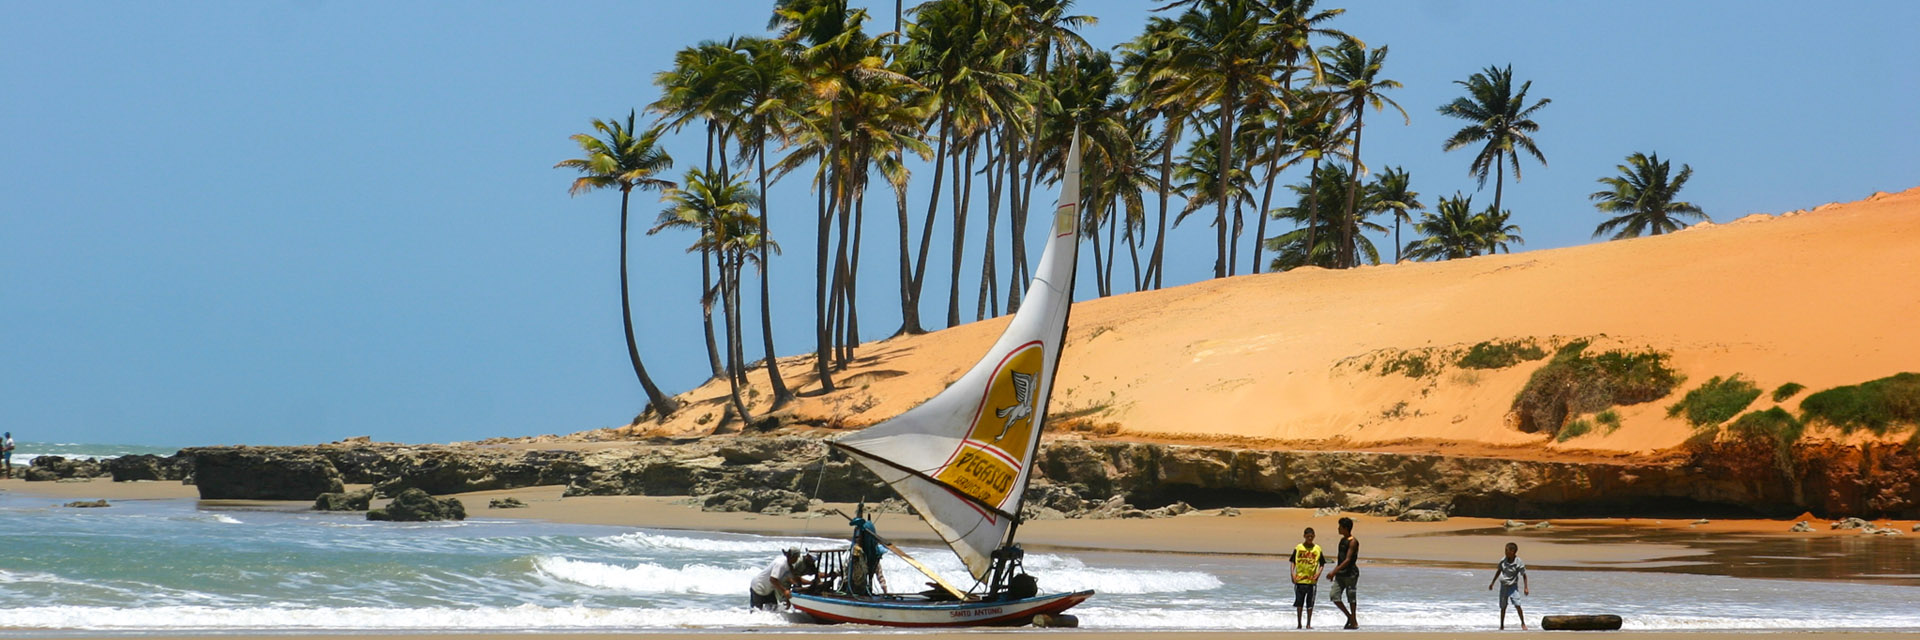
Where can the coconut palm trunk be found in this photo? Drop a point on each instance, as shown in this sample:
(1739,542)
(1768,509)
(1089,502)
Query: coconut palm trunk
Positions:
(1266,204)
(1313,210)
(781,394)
(1227,101)
(1353,189)
(926,229)
(960,207)
(663,404)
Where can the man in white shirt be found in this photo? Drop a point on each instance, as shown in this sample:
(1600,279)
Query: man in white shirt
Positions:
(774,586)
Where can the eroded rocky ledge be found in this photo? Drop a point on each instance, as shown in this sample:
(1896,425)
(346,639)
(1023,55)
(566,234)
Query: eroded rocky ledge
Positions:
(1087,478)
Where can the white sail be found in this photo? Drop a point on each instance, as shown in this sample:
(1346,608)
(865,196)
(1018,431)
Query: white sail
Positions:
(962,458)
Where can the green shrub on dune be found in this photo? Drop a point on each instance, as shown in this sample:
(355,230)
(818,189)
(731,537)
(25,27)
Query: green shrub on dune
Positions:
(1500,354)
(1573,429)
(1716,401)
(1575,382)
(1788,390)
(1774,424)
(1875,405)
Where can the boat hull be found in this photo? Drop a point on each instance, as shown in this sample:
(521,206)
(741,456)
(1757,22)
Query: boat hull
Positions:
(915,612)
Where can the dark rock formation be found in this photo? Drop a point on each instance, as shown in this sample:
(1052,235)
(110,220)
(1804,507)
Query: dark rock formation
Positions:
(414,505)
(50,468)
(506,503)
(87,504)
(147,466)
(264,473)
(344,501)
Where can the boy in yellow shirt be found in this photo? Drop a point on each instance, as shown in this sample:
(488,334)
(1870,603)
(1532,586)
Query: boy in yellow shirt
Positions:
(1306,560)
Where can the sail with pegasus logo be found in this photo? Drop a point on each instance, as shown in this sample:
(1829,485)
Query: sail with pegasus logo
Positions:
(962,459)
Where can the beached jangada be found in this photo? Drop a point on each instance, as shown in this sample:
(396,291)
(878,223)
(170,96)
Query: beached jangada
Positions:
(963,459)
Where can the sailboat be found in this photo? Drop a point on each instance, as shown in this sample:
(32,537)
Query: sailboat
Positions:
(963,459)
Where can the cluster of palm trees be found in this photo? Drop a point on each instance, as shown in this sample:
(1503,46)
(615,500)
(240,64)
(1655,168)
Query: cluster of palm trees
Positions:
(1209,106)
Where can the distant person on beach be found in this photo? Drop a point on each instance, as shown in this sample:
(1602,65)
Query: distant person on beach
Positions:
(1511,573)
(6,454)
(1307,559)
(1346,574)
(773,588)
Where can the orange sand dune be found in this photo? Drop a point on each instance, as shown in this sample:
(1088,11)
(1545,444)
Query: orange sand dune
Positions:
(1823,298)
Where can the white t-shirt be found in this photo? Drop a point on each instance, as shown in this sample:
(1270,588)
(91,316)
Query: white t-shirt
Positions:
(779,570)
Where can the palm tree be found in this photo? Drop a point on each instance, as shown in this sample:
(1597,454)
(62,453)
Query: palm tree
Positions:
(1315,242)
(1227,60)
(1146,66)
(720,209)
(1048,30)
(1500,118)
(958,50)
(623,160)
(770,103)
(1353,78)
(1491,228)
(1643,195)
(697,88)
(1393,192)
(1449,232)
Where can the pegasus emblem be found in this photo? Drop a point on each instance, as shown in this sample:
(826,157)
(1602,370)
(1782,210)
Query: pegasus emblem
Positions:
(1022,408)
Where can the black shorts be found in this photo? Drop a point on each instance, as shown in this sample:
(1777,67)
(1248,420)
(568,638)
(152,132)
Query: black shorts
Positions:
(768,602)
(1303,595)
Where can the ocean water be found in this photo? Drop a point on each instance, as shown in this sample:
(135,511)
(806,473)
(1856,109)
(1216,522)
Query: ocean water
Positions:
(177,566)
(24,452)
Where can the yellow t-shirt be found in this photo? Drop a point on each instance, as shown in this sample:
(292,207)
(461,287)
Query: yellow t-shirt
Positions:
(1306,564)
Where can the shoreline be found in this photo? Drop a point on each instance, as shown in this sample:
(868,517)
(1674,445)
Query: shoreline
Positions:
(1747,548)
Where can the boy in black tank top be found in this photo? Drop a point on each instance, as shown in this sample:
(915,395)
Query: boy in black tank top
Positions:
(1346,574)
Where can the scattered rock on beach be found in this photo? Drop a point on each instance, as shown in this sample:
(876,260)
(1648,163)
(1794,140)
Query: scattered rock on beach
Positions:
(88,504)
(1849,523)
(506,503)
(1323,512)
(1801,527)
(1233,512)
(767,501)
(1543,524)
(1175,509)
(414,505)
(344,501)
(1702,521)
(1514,524)
(1916,528)
(1422,515)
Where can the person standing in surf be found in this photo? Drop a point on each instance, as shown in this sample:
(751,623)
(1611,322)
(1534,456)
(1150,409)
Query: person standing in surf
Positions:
(1346,574)
(773,587)
(6,454)
(1511,573)
(1307,558)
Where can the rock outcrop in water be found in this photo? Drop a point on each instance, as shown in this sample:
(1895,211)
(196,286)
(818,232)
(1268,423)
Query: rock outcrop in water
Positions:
(414,505)
(263,473)
(1086,478)
(52,468)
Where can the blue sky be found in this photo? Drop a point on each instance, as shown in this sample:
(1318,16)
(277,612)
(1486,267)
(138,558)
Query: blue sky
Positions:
(293,222)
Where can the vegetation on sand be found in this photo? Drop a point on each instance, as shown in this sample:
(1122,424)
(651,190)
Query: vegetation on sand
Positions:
(1788,390)
(1575,382)
(1500,354)
(1875,405)
(1716,401)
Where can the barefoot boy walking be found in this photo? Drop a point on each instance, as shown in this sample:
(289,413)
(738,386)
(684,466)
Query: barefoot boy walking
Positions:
(1512,576)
